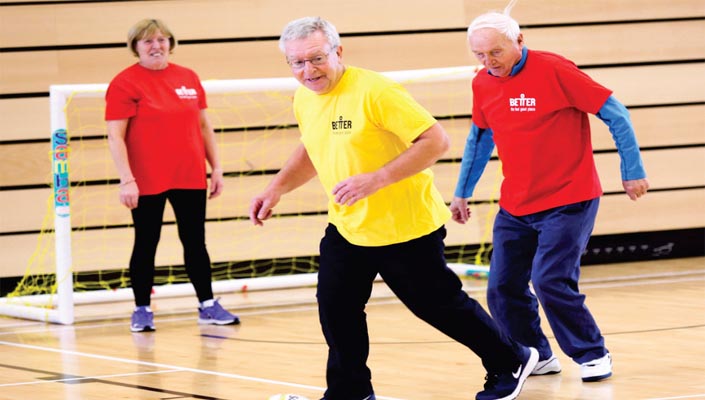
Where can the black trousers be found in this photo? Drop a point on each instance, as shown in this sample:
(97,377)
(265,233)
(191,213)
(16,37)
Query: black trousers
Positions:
(190,210)
(417,273)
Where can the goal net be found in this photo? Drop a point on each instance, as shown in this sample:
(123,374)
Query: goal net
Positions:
(83,249)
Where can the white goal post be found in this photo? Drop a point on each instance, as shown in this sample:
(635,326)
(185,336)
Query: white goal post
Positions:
(58,307)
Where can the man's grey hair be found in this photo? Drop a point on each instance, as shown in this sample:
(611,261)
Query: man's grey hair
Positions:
(502,22)
(304,27)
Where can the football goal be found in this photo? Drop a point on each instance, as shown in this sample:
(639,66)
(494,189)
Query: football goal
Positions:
(83,248)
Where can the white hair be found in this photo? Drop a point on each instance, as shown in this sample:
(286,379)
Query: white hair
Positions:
(502,22)
(305,27)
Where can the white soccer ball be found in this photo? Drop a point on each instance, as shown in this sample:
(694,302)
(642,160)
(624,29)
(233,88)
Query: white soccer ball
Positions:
(287,397)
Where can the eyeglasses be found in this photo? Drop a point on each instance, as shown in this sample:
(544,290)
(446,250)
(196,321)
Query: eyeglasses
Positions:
(317,60)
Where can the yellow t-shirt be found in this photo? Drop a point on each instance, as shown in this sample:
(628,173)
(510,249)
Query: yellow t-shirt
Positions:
(366,121)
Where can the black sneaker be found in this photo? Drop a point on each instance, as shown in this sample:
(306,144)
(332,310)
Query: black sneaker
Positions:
(507,385)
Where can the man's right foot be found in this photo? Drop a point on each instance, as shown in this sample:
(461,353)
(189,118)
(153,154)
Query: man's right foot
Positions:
(507,385)
(597,370)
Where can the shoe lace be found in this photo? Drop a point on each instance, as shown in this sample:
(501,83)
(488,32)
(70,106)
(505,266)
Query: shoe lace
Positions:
(216,310)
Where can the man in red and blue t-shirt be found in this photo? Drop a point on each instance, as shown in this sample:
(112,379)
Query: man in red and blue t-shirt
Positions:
(534,106)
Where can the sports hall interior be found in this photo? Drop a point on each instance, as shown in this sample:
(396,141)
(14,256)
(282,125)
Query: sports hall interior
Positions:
(644,269)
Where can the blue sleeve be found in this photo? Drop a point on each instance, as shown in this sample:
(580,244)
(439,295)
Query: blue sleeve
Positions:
(616,117)
(478,150)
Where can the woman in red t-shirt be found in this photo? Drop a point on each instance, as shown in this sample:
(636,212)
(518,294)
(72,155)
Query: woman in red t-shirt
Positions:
(160,137)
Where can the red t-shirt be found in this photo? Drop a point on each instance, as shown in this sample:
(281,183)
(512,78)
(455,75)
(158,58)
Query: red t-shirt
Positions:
(164,141)
(541,129)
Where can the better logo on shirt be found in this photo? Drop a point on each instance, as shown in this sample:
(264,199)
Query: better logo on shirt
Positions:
(341,126)
(186,93)
(522,104)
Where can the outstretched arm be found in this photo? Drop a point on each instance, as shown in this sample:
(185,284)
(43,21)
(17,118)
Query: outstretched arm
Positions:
(298,170)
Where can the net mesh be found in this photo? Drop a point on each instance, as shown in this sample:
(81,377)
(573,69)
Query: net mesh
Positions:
(256,132)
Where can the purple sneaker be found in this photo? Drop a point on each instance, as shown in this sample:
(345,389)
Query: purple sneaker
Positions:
(142,320)
(216,315)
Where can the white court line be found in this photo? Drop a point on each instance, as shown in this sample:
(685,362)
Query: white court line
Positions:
(172,368)
(86,378)
(626,284)
(158,365)
(692,396)
(644,276)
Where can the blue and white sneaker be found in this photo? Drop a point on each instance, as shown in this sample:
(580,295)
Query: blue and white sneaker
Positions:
(597,370)
(549,366)
(507,385)
(142,320)
(216,315)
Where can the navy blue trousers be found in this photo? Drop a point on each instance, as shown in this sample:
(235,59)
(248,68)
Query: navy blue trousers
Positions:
(190,211)
(417,273)
(544,248)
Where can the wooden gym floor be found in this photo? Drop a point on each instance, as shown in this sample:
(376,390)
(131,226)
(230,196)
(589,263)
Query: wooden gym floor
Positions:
(652,315)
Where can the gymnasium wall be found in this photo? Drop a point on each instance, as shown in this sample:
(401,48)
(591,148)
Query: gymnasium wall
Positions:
(650,52)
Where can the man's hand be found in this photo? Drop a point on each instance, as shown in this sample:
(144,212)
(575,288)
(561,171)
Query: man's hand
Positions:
(349,191)
(636,188)
(459,208)
(261,207)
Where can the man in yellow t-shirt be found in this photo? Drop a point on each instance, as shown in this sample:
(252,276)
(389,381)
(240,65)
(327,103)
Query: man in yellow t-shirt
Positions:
(358,127)
(371,145)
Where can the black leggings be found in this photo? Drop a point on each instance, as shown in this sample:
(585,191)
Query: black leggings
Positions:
(190,211)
